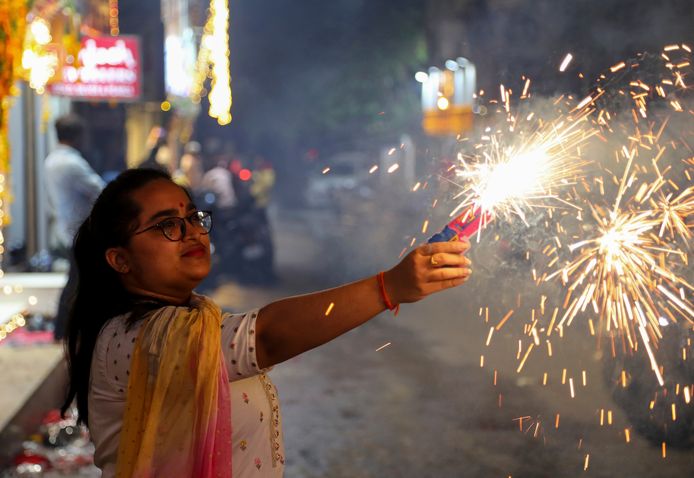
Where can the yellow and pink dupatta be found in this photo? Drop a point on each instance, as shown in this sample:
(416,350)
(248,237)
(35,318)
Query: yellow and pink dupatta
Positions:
(177,420)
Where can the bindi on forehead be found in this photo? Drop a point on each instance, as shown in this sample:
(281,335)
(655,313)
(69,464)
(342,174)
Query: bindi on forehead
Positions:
(180,204)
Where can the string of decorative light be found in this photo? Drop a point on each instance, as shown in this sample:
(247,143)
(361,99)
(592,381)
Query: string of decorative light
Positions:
(39,62)
(213,63)
(16,321)
(113,17)
(13,25)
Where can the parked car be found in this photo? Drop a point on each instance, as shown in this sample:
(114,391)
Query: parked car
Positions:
(346,173)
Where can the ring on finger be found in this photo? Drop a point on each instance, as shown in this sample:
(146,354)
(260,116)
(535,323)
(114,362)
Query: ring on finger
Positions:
(433,261)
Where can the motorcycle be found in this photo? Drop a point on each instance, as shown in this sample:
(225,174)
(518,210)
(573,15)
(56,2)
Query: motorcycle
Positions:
(241,244)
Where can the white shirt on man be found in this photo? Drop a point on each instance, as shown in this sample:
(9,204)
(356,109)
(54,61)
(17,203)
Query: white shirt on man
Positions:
(72,187)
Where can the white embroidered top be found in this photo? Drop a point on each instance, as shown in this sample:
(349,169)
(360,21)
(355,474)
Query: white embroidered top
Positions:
(258,449)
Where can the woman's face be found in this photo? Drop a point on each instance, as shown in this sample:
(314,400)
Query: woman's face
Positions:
(153,265)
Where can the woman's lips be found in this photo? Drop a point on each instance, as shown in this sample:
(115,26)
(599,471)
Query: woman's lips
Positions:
(197,251)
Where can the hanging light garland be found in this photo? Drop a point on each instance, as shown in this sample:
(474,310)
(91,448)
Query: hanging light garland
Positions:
(12,28)
(29,51)
(52,38)
(39,60)
(15,322)
(113,17)
(213,63)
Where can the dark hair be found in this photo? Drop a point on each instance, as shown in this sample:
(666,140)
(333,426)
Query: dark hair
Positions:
(100,294)
(69,128)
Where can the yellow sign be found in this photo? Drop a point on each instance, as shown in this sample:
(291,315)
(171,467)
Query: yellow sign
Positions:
(453,120)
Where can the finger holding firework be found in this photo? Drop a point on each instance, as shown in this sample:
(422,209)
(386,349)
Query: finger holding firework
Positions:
(463,226)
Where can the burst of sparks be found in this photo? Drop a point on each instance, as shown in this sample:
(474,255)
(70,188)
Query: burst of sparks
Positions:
(621,247)
(673,213)
(621,275)
(626,272)
(508,178)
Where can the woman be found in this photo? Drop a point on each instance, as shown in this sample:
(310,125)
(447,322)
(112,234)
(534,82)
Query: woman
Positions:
(168,385)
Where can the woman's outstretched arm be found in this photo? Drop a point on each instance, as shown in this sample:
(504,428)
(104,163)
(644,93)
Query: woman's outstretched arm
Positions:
(294,325)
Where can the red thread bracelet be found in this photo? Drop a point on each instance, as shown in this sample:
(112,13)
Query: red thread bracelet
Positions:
(384,295)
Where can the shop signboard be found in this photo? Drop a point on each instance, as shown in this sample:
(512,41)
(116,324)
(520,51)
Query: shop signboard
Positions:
(448,98)
(106,68)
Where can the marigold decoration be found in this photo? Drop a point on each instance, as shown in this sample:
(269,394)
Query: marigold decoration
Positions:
(51,40)
(13,15)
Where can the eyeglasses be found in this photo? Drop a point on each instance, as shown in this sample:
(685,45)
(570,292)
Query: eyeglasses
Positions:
(174,228)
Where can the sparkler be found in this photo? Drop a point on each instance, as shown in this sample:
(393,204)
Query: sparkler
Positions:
(620,247)
(508,179)
(619,242)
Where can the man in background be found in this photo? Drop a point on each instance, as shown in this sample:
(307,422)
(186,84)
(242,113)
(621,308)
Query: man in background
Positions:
(159,154)
(190,168)
(72,187)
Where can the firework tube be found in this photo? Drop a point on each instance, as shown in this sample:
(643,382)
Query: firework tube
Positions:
(464,225)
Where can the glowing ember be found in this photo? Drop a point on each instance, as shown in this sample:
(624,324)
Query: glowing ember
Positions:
(329,309)
(565,63)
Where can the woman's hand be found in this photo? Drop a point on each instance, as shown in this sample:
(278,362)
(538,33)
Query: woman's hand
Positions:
(429,268)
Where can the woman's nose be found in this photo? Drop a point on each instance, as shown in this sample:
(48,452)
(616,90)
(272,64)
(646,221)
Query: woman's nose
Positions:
(191,230)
